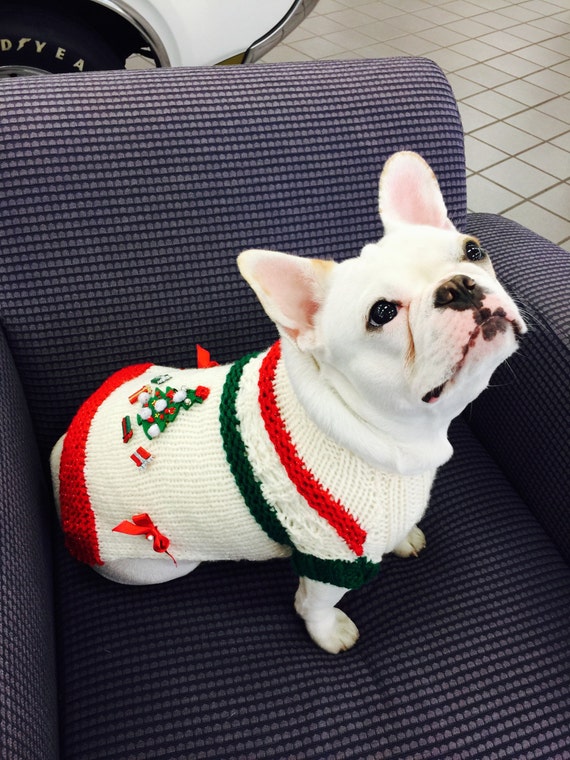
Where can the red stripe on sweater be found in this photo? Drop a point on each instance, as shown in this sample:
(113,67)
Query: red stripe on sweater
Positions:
(317,497)
(77,518)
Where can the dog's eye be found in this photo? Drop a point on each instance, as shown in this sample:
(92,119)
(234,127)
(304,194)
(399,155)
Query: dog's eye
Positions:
(473,251)
(381,313)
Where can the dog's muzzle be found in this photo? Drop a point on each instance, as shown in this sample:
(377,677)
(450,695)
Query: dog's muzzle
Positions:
(461,293)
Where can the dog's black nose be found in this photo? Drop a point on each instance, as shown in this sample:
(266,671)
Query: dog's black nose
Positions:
(460,293)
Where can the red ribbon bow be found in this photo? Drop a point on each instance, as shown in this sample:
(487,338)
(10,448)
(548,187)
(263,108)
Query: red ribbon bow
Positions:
(203,360)
(142,525)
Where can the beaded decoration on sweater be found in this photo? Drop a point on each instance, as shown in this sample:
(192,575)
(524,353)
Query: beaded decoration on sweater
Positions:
(222,462)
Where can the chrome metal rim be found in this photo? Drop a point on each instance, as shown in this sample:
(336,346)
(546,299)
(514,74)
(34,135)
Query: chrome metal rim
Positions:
(20,71)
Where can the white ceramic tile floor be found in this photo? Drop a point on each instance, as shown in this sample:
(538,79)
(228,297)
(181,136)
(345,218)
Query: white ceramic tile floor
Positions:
(509,66)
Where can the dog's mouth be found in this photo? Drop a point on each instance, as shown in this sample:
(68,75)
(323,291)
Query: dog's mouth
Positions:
(433,395)
(488,324)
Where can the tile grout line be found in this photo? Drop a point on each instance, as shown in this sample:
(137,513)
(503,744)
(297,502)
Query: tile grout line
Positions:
(508,60)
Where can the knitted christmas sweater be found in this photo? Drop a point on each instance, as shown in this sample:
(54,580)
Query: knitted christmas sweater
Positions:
(224,463)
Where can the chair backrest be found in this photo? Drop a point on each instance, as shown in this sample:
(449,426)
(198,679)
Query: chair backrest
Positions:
(126,197)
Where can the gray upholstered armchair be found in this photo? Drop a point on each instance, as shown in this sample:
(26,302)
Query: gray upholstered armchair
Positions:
(125,199)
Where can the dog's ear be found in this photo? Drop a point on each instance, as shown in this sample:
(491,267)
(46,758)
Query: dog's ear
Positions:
(291,289)
(410,194)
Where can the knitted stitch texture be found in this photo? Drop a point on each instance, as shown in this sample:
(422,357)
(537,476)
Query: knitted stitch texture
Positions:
(243,474)
(79,522)
(372,511)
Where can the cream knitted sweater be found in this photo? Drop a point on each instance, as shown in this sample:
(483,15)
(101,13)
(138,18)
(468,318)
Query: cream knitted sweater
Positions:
(224,463)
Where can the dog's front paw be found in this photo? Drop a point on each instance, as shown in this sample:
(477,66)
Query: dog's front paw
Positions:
(328,626)
(412,545)
(334,634)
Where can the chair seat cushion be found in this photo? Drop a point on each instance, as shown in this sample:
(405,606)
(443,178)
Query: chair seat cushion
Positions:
(463,652)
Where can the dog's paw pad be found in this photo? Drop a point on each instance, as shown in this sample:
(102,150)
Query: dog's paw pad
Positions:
(412,545)
(338,634)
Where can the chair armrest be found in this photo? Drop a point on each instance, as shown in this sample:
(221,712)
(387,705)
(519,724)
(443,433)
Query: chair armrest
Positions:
(524,417)
(28,724)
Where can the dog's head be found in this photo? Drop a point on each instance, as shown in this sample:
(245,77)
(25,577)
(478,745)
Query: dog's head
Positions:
(386,348)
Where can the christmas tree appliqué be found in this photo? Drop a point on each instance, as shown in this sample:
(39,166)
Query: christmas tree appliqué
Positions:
(161,407)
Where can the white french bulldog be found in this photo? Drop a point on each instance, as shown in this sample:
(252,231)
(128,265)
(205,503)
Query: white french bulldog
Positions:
(323,448)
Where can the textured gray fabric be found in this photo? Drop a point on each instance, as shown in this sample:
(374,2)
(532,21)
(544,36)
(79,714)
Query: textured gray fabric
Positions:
(525,419)
(124,201)
(135,193)
(464,652)
(28,709)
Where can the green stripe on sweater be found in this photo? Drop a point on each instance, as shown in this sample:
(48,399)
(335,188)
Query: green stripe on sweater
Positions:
(236,455)
(340,572)
(344,573)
